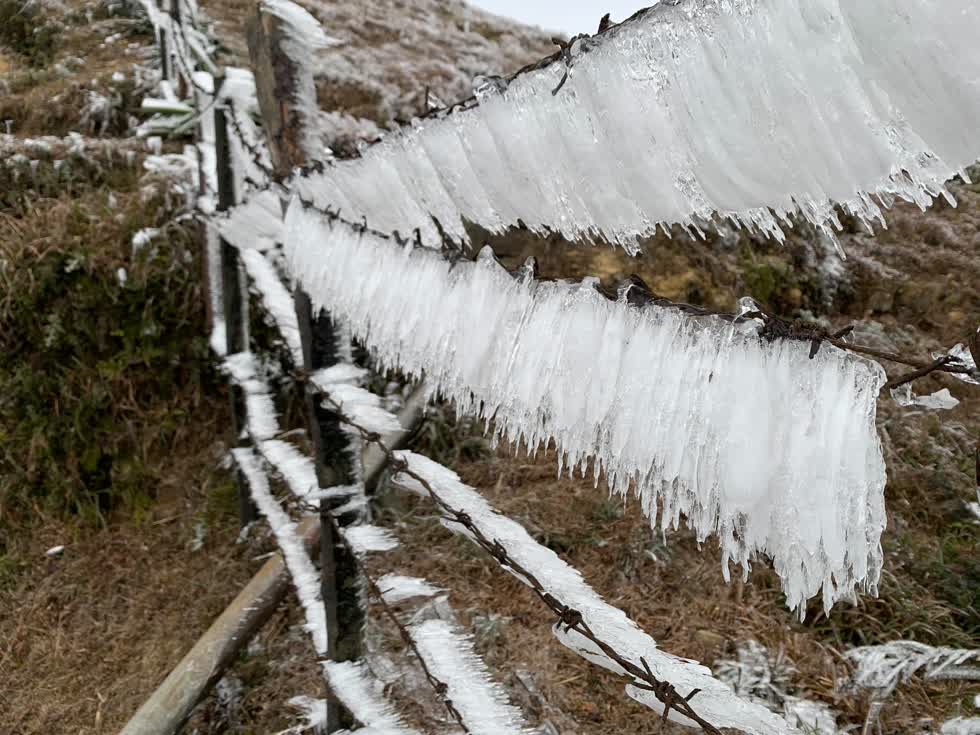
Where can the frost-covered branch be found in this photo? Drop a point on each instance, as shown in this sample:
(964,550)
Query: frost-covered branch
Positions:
(751,440)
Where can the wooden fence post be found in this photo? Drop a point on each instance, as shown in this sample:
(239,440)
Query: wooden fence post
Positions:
(234,305)
(279,82)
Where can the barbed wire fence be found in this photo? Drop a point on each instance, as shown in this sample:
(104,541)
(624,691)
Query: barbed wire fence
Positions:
(344,420)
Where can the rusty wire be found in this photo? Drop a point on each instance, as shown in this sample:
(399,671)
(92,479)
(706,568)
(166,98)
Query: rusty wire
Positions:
(567,617)
(439,687)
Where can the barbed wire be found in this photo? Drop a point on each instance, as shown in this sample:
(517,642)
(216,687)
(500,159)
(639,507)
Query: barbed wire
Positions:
(567,616)
(440,687)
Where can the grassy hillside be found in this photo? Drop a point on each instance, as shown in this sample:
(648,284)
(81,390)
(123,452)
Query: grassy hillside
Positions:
(113,421)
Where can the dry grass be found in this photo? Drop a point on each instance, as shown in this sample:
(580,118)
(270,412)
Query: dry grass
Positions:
(85,637)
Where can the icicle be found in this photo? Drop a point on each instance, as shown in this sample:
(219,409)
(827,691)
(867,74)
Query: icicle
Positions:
(746,110)
(750,440)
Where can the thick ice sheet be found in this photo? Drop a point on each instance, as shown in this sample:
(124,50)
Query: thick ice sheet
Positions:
(481,702)
(716,702)
(773,452)
(745,109)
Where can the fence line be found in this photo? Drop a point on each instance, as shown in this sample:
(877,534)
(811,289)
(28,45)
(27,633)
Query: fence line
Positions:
(343,419)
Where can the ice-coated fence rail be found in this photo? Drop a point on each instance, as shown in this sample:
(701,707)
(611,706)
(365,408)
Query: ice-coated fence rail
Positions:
(742,437)
(361,412)
(751,110)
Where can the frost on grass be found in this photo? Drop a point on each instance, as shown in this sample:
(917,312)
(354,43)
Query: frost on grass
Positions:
(961,726)
(749,110)
(753,441)
(363,696)
(884,667)
(305,577)
(716,702)
(481,702)
(761,677)
(313,713)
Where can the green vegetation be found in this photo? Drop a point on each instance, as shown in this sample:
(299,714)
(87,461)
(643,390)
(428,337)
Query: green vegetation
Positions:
(98,370)
(28,31)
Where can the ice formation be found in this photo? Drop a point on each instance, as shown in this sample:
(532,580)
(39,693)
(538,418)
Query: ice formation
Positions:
(716,701)
(255,224)
(367,539)
(313,713)
(363,697)
(305,577)
(262,421)
(302,35)
(357,404)
(745,109)
(480,701)
(398,588)
(941,400)
(276,299)
(772,451)
(885,666)
(961,726)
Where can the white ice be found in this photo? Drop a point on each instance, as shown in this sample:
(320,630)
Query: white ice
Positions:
(961,726)
(753,441)
(367,539)
(742,109)
(716,702)
(397,588)
(256,224)
(363,696)
(481,702)
(262,420)
(883,667)
(305,577)
(277,301)
(358,405)
(302,37)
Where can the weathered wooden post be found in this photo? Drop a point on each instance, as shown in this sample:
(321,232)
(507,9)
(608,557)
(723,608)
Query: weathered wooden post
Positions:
(285,88)
(233,299)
